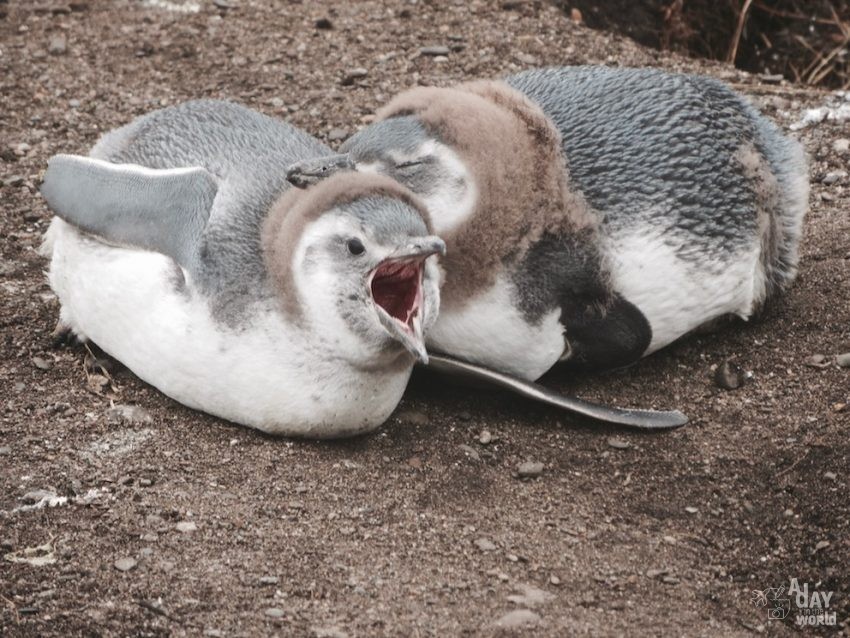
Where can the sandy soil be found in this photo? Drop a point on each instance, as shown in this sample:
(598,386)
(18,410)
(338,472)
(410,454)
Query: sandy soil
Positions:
(180,524)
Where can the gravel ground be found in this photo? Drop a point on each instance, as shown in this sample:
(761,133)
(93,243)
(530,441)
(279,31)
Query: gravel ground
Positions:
(169,522)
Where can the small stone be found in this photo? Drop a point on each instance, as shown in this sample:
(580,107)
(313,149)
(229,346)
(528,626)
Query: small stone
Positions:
(269,580)
(841,145)
(554,580)
(149,537)
(834,177)
(670,580)
(485,545)
(526,58)
(324,24)
(74,104)
(125,564)
(41,363)
(728,376)
(655,573)
(5,450)
(128,414)
(415,462)
(145,482)
(58,45)
(434,50)
(186,526)
(353,74)
(530,596)
(337,134)
(225,4)
(821,545)
(328,632)
(691,510)
(830,476)
(213,633)
(470,451)
(14,180)
(618,444)
(485,438)
(518,618)
(274,612)
(817,361)
(843,360)
(530,469)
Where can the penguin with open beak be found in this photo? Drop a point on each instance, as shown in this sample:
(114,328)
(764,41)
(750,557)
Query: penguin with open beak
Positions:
(179,248)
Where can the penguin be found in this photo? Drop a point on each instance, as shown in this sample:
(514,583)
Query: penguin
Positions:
(180,249)
(593,215)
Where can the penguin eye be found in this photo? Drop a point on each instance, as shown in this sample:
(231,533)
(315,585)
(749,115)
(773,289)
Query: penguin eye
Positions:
(356,247)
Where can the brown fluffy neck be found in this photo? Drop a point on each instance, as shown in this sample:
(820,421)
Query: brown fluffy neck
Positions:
(515,156)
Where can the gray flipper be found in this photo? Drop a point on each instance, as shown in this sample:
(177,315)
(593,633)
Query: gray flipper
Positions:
(163,210)
(640,419)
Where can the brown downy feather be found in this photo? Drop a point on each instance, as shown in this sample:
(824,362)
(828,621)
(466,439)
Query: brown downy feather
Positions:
(296,209)
(514,154)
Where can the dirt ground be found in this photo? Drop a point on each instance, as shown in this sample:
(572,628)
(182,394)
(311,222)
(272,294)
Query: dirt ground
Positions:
(177,523)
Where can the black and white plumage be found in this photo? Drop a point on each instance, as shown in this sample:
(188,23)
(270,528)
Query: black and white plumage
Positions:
(180,250)
(677,203)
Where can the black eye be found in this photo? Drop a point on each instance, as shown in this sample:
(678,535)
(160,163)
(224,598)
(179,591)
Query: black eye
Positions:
(356,247)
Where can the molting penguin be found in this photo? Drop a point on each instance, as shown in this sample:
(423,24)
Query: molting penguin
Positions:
(592,214)
(180,250)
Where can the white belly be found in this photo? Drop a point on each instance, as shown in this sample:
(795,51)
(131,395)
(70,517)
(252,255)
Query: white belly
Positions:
(678,296)
(260,375)
(490,331)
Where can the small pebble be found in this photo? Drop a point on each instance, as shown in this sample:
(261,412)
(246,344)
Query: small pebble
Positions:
(471,452)
(125,564)
(434,50)
(353,74)
(821,545)
(728,376)
(269,580)
(830,476)
(834,177)
(58,45)
(526,58)
(841,145)
(817,361)
(618,444)
(5,450)
(518,618)
(274,612)
(670,580)
(41,363)
(485,438)
(485,545)
(186,526)
(14,180)
(529,469)
(655,573)
(843,360)
(691,510)
(145,482)
(554,580)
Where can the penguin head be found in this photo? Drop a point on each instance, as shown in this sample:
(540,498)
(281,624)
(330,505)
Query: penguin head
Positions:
(403,149)
(355,257)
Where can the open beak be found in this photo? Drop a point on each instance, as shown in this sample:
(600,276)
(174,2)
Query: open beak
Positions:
(396,288)
(307,172)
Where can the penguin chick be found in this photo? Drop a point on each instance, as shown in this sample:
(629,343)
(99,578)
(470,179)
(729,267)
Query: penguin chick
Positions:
(298,313)
(593,215)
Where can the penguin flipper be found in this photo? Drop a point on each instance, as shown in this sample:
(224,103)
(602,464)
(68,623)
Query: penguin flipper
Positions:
(632,418)
(162,210)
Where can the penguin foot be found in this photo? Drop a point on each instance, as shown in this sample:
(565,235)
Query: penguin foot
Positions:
(63,336)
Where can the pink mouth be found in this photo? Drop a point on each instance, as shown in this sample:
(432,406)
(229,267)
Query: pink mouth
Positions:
(397,289)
